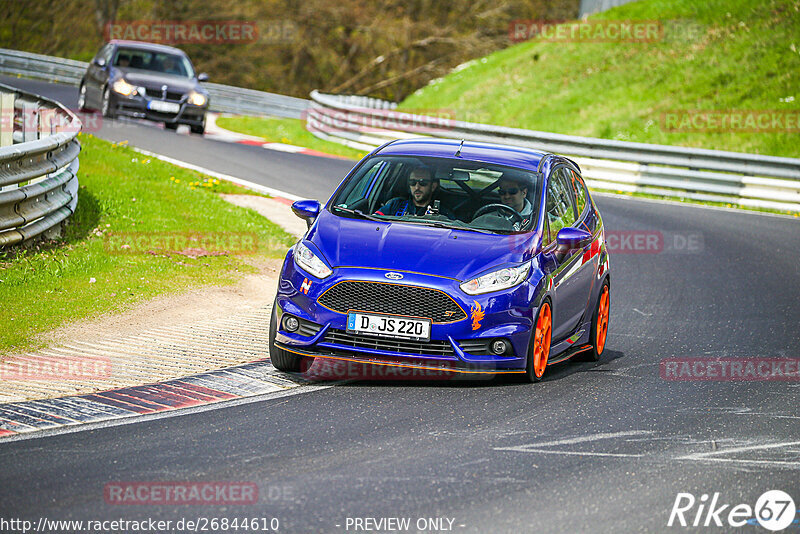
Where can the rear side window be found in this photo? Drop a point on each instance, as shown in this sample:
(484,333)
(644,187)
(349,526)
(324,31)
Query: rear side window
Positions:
(560,212)
(579,189)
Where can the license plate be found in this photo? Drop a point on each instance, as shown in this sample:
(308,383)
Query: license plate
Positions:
(164,107)
(389,325)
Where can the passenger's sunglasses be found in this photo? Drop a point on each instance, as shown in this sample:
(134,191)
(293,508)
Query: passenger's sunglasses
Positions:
(423,183)
(504,192)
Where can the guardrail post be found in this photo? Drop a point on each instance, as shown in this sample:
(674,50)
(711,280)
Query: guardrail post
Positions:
(6,119)
(47,122)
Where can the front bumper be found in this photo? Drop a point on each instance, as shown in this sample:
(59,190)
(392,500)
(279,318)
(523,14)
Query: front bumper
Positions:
(136,106)
(461,346)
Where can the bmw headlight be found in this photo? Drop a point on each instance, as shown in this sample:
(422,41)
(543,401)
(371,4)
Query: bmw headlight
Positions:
(198,99)
(310,262)
(124,88)
(497,280)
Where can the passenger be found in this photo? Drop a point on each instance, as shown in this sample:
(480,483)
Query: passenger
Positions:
(514,195)
(422,188)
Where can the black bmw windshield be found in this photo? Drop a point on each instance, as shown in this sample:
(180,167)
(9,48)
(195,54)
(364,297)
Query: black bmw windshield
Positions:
(441,192)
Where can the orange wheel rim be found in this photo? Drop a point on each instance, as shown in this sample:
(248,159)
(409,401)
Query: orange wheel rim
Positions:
(541,340)
(602,320)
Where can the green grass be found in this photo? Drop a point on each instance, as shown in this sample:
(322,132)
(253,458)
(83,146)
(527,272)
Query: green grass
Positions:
(125,195)
(288,131)
(714,55)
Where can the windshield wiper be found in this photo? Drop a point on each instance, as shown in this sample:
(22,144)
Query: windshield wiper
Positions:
(358,213)
(451,227)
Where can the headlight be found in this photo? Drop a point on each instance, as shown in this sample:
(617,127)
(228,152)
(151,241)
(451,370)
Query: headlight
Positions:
(197,99)
(124,88)
(497,280)
(310,262)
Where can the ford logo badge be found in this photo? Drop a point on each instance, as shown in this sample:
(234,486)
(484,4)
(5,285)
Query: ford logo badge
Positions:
(393,276)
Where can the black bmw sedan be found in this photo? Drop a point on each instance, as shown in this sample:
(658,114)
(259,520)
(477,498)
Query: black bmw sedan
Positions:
(145,81)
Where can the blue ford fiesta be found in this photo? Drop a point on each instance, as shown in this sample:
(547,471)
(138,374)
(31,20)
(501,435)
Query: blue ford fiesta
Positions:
(444,255)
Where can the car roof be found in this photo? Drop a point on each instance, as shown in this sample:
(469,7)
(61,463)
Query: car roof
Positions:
(147,46)
(509,156)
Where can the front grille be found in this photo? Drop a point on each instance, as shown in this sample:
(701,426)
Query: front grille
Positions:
(394,299)
(422,348)
(171,95)
(307,328)
(478,347)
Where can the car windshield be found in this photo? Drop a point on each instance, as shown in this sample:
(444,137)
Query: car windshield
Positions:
(443,192)
(162,62)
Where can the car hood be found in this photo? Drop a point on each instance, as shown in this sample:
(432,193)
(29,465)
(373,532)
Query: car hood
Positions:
(458,254)
(156,80)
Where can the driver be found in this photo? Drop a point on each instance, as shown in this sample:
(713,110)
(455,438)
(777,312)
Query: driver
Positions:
(422,186)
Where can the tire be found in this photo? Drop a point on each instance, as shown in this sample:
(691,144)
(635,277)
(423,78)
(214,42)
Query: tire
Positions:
(539,351)
(105,107)
(201,129)
(82,98)
(170,125)
(599,331)
(281,359)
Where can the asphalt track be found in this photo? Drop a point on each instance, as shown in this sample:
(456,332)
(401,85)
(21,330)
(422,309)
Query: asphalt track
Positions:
(595,447)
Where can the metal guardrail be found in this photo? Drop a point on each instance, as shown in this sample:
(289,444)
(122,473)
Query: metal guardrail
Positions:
(223,98)
(38,165)
(748,180)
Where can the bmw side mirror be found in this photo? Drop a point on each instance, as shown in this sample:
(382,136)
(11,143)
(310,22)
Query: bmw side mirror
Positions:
(569,239)
(308,210)
(202,77)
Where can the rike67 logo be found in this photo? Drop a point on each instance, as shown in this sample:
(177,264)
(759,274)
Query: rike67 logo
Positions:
(774,510)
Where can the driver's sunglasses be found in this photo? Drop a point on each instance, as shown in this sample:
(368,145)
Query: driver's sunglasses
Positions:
(504,192)
(423,182)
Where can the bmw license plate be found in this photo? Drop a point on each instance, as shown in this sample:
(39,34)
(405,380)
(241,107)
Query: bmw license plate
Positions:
(389,325)
(164,107)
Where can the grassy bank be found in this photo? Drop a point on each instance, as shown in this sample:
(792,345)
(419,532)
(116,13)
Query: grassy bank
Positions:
(288,131)
(142,228)
(718,55)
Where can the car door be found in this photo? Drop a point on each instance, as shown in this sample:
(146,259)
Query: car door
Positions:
(572,277)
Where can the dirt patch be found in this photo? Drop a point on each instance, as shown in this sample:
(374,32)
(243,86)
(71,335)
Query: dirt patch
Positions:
(253,291)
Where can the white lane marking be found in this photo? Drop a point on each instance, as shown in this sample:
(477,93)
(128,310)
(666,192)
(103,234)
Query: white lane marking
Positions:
(239,181)
(538,447)
(748,448)
(643,313)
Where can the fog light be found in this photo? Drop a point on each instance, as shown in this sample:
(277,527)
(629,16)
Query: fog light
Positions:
(291,324)
(499,346)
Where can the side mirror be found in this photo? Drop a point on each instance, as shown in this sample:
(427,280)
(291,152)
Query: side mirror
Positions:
(100,62)
(202,77)
(308,210)
(569,239)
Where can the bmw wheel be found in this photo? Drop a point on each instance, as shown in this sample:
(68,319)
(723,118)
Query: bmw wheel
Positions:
(107,109)
(82,98)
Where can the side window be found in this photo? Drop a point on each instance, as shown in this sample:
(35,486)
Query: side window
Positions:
(106,53)
(560,211)
(358,189)
(579,189)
